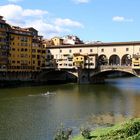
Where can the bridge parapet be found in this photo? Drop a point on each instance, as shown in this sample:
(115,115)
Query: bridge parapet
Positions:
(114,67)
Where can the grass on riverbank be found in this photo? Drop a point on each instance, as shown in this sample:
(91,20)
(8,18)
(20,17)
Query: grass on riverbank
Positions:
(129,130)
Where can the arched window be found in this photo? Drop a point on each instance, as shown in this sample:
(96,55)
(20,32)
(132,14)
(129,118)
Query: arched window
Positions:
(126,60)
(102,60)
(114,60)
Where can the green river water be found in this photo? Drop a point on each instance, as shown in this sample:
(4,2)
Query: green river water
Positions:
(35,113)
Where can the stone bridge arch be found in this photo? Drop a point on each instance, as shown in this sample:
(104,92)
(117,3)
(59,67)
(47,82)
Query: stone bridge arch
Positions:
(51,76)
(103,74)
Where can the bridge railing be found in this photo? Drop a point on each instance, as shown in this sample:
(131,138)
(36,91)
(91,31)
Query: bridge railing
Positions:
(114,67)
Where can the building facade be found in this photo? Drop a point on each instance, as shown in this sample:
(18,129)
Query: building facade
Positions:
(21,52)
(93,55)
(4,44)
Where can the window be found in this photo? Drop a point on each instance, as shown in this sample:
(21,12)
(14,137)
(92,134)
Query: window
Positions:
(70,64)
(33,56)
(21,55)
(43,51)
(91,50)
(48,57)
(60,51)
(114,49)
(38,51)
(80,50)
(127,49)
(25,55)
(102,50)
(33,62)
(33,50)
(70,51)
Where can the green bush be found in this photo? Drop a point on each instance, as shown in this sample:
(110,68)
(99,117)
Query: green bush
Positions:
(132,129)
(63,134)
(85,132)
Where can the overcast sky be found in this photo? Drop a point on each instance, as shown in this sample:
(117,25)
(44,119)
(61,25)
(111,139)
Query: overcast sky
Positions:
(91,20)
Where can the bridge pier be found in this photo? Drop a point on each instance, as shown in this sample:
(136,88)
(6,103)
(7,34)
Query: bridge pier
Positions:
(83,76)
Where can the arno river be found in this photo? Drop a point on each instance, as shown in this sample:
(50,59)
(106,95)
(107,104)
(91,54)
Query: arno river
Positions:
(35,113)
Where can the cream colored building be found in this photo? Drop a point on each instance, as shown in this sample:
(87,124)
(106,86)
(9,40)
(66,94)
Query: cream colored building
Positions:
(115,53)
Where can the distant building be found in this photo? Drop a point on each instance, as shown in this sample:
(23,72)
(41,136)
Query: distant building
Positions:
(67,40)
(71,40)
(57,41)
(47,42)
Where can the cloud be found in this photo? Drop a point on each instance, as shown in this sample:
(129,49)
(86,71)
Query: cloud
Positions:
(68,22)
(45,28)
(29,12)
(14,1)
(81,1)
(121,19)
(17,12)
(39,19)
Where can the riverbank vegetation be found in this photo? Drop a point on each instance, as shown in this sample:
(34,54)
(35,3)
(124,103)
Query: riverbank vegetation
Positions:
(129,130)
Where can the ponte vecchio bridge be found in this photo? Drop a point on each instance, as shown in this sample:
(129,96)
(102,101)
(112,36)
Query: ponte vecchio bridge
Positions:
(91,62)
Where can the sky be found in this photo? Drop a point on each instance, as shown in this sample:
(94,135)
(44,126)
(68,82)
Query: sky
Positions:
(90,20)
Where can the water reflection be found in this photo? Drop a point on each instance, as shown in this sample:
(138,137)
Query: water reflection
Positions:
(35,112)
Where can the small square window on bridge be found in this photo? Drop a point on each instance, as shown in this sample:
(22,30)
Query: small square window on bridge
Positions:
(127,49)
(102,50)
(114,49)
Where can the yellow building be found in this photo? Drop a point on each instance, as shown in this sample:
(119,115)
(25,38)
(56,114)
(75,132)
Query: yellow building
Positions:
(57,41)
(38,51)
(20,50)
(79,60)
(27,54)
(22,53)
(4,44)
(136,62)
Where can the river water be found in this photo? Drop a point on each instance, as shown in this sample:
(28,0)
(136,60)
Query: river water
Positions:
(35,113)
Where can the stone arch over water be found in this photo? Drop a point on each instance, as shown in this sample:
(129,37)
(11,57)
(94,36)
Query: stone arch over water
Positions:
(57,76)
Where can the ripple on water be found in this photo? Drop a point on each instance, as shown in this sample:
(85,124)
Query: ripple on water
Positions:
(47,94)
